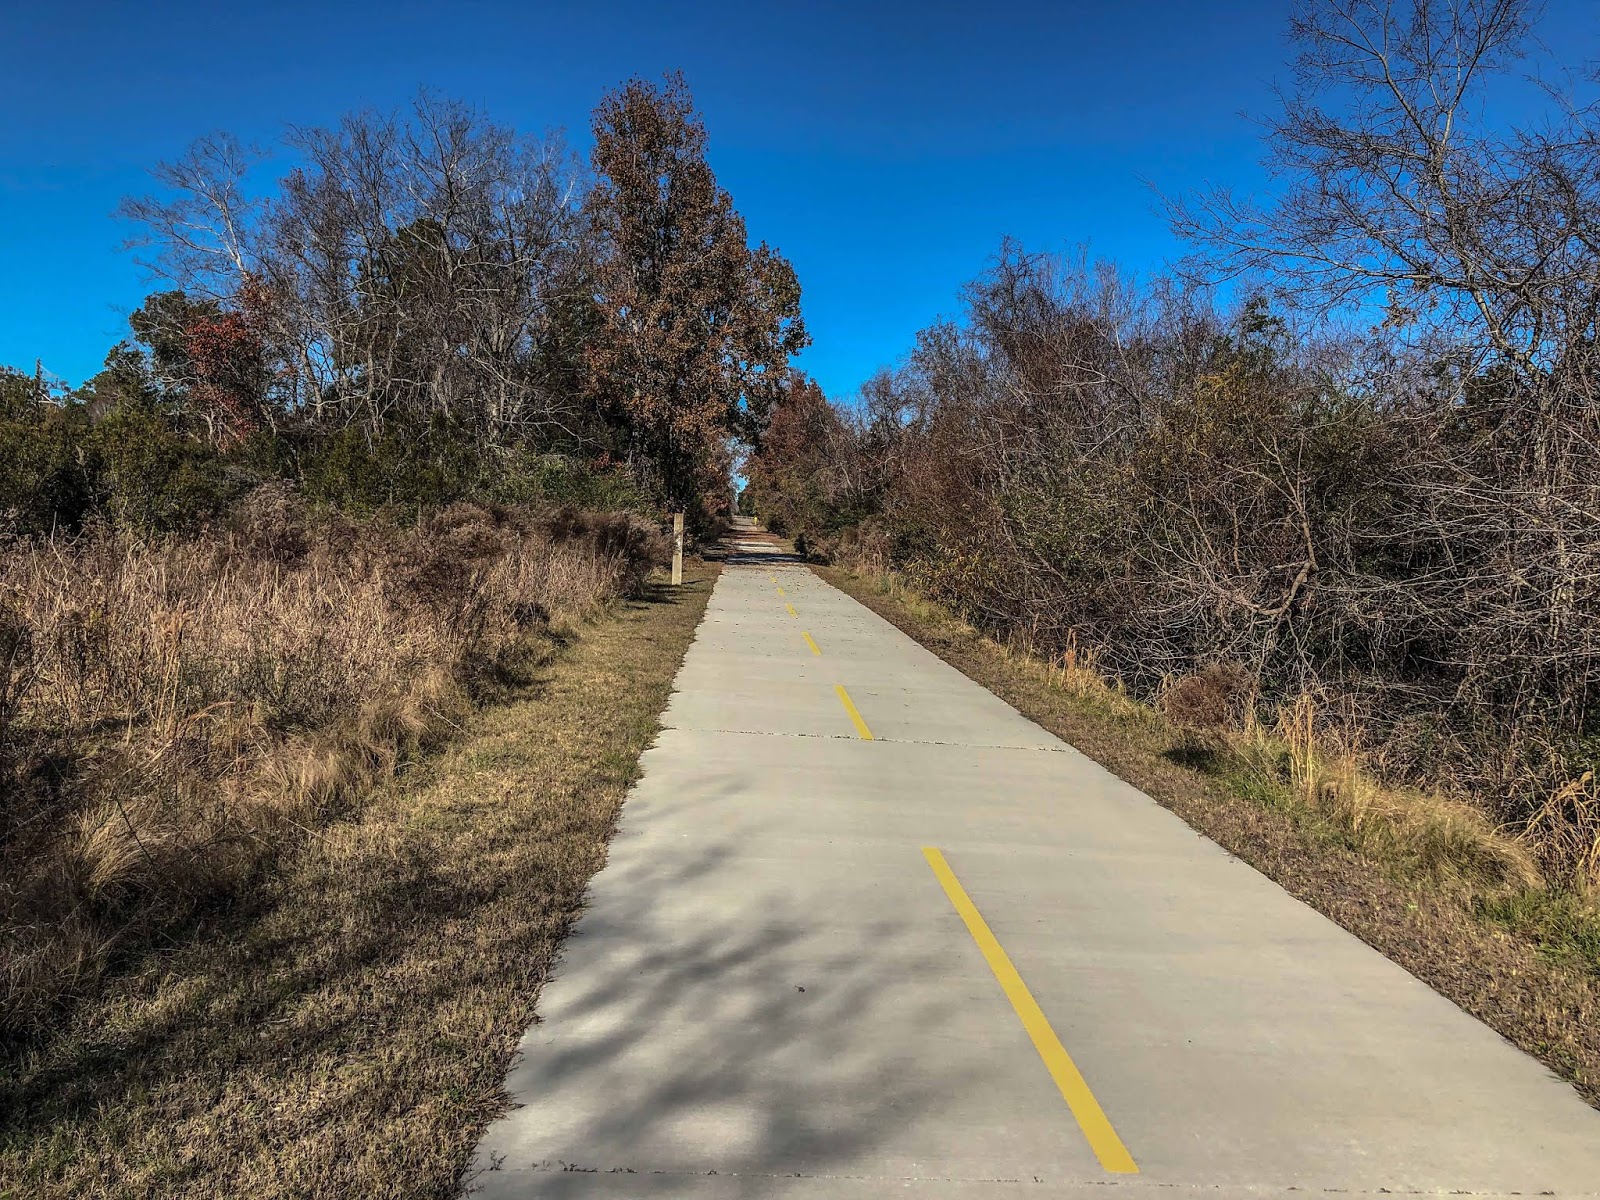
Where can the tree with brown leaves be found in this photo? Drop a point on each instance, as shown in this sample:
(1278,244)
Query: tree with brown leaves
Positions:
(697,328)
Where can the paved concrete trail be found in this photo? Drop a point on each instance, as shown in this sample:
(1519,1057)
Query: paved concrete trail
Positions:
(960,959)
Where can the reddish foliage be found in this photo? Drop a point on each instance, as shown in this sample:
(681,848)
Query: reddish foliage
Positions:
(226,357)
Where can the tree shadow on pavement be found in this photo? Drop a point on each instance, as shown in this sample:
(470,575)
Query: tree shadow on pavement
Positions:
(684,1037)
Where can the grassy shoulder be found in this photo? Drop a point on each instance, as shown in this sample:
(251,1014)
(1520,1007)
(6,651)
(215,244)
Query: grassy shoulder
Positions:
(346,1030)
(1418,878)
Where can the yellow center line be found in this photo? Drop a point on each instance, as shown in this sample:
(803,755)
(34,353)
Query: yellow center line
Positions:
(1096,1126)
(781,592)
(862,731)
(810,643)
(792,612)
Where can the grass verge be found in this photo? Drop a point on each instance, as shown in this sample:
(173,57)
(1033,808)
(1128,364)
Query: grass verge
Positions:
(1419,879)
(345,1030)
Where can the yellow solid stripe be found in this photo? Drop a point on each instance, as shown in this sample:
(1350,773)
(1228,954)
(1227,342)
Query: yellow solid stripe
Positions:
(811,643)
(855,717)
(792,612)
(1096,1126)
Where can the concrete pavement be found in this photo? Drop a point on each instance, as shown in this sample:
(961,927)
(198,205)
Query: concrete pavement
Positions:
(792,978)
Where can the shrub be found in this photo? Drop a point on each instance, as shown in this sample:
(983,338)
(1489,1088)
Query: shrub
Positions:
(526,476)
(156,480)
(50,477)
(411,465)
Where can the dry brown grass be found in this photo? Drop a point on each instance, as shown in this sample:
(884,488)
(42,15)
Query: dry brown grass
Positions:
(1567,829)
(1425,878)
(174,714)
(344,1031)
(1308,766)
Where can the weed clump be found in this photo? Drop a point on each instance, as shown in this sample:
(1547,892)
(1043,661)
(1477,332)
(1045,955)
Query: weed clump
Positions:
(1213,698)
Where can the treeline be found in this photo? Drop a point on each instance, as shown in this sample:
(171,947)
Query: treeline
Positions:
(1374,480)
(426,307)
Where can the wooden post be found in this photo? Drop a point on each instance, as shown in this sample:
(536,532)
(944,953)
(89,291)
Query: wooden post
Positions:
(677,549)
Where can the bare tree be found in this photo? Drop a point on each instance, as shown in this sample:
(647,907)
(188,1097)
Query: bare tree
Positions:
(408,266)
(204,229)
(412,263)
(1396,191)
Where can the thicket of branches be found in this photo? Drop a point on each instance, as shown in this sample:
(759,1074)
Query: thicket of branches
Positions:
(427,306)
(1398,512)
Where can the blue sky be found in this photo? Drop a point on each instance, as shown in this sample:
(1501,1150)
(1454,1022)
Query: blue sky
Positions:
(884,147)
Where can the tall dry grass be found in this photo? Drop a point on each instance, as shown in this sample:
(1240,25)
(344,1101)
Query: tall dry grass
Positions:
(174,713)
(1425,834)
(1300,755)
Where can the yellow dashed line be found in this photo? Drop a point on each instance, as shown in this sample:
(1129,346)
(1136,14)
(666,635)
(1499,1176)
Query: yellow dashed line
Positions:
(792,612)
(811,643)
(862,731)
(1096,1126)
